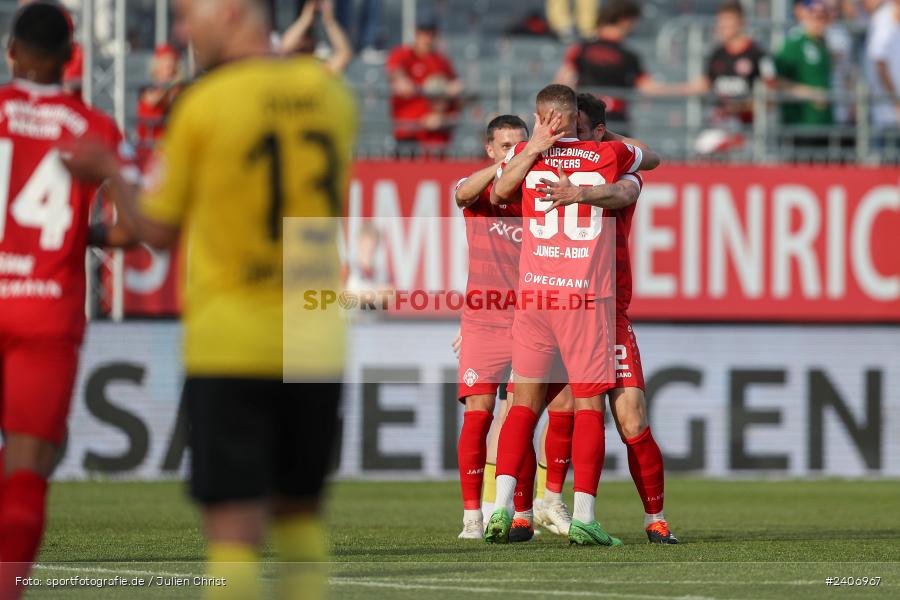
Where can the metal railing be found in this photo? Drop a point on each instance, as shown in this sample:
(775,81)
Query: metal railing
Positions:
(671,124)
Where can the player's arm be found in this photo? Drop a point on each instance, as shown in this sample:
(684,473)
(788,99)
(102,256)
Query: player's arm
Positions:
(153,216)
(507,187)
(469,189)
(649,159)
(620,194)
(143,228)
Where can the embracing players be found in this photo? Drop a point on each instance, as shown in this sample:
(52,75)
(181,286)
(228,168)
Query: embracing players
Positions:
(626,400)
(494,234)
(566,256)
(43,237)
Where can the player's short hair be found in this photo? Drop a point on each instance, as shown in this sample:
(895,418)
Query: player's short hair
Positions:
(43,28)
(731,6)
(618,10)
(561,95)
(504,122)
(593,107)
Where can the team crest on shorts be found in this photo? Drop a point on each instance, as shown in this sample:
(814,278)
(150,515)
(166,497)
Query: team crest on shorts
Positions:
(470,377)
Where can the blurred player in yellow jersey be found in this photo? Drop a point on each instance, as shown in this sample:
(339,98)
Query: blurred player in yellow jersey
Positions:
(255,140)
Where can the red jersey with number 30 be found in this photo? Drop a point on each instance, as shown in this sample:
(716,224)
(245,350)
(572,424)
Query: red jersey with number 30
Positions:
(569,249)
(43,210)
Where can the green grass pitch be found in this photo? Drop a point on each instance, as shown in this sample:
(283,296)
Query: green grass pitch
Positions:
(741,539)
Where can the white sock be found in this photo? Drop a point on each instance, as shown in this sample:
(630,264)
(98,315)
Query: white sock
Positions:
(526,514)
(584,508)
(506,487)
(552,497)
(472,515)
(653,518)
(487,508)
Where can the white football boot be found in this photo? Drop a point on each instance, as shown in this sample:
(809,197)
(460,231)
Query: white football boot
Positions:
(473,526)
(555,517)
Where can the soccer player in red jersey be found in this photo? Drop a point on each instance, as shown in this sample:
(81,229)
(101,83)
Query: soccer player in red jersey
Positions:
(494,235)
(564,258)
(43,236)
(626,400)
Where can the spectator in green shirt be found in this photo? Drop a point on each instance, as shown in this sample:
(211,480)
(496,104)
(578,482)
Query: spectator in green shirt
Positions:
(804,67)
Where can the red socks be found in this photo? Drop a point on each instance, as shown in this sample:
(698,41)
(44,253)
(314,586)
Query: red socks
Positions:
(21,527)
(646,466)
(516,437)
(558,446)
(588,450)
(471,454)
(523,499)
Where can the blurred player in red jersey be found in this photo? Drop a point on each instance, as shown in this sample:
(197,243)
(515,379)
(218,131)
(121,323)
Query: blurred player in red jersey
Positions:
(626,400)
(494,236)
(43,236)
(564,258)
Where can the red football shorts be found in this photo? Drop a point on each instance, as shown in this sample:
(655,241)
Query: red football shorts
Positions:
(629,372)
(484,358)
(36,381)
(582,338)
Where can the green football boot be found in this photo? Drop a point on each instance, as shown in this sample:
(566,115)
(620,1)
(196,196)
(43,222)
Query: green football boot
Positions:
(590,534)
(497,530)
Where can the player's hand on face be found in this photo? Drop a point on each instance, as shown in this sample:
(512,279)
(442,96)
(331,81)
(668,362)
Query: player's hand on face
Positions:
(559,193)
(89,161)
(546,131)
(457,343)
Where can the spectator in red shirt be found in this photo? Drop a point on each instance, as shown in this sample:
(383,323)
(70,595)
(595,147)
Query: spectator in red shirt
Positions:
(425,92)
(605,62)
(157,98)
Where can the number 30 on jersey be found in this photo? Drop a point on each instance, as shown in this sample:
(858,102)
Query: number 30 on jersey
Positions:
(550,226)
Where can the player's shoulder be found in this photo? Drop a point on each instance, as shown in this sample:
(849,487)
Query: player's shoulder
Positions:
(584,145)
(8,90)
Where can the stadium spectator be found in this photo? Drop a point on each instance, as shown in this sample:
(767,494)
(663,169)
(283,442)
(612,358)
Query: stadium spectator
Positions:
(299,38)
(156,99)
(424,93)
(732,70)
(804,73)
(606,62)
(559,15)
(883,64)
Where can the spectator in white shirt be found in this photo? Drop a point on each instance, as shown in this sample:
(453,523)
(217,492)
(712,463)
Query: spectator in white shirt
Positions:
(883,64)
